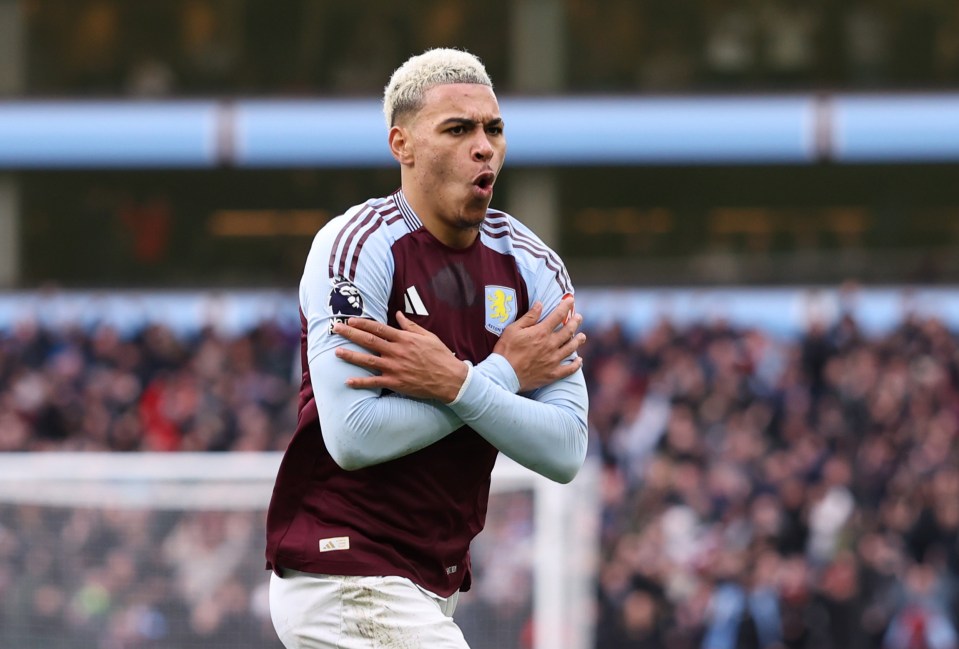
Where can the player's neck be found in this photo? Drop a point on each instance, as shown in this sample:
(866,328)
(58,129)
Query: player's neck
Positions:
(449,231)
(458,238)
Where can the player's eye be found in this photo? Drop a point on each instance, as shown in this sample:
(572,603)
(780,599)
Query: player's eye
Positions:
(494,130)
(459,129)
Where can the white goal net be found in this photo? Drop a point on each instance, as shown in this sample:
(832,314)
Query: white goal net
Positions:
(165,551)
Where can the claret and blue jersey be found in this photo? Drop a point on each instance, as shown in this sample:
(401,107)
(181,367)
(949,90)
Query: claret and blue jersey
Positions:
(414,514)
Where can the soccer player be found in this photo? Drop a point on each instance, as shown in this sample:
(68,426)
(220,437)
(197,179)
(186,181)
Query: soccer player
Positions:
(437,333)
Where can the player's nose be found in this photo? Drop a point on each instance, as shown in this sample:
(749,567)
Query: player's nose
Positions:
(482,149)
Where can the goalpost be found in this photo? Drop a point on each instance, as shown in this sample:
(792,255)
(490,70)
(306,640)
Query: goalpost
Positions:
(165,549)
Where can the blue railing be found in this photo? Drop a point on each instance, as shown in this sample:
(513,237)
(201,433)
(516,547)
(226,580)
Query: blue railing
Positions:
(567,131)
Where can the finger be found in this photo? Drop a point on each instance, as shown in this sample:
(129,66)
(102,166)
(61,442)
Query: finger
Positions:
(375,327)
(361,359)
(573,345)
(368,383)
(568,330)
(408,325)
(568,369)
(531,317)
(362,338)
(558,316)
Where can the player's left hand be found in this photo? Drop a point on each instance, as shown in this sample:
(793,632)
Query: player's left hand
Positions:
(410,360)
(540,351)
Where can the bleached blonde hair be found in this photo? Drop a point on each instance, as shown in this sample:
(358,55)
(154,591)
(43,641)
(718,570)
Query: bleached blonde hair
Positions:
(404,92)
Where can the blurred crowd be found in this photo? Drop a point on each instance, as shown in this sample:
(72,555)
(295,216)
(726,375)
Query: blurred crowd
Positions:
(758,490)
(772,493)
(132,579)
(300,47)
(79,390)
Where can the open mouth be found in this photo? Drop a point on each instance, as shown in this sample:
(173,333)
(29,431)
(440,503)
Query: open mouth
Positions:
(485,180)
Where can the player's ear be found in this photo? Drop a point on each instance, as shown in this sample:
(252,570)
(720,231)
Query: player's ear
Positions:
(401,145)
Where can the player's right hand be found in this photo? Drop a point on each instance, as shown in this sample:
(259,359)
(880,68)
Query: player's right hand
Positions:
(543,351)
(409,360)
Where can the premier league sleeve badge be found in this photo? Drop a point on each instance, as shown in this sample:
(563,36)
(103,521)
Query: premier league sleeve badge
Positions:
(345,301)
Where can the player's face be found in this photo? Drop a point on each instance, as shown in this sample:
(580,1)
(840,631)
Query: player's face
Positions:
(458,149)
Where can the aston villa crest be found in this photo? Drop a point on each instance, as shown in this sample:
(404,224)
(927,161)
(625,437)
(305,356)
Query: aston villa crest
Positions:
(500,308)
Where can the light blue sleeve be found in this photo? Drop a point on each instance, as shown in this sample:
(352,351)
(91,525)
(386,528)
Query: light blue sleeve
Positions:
(545,432)
(363,427)
(360,427)
(497,369)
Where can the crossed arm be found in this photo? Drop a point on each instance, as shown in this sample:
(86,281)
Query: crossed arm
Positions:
(545,430)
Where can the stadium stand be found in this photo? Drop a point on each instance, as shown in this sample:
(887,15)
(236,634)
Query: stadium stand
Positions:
(105,47)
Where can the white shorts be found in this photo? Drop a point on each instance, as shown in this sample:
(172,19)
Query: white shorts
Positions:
(339,612)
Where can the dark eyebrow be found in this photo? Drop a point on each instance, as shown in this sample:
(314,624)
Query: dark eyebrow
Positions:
(470,123)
